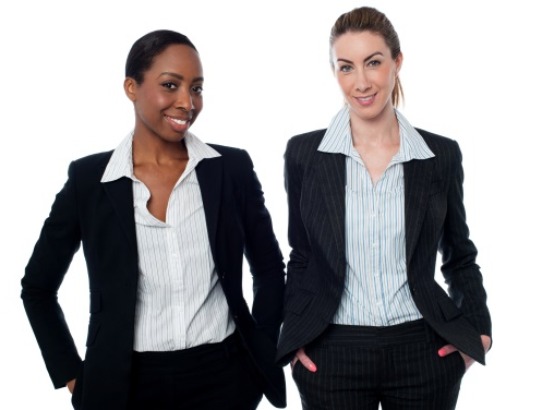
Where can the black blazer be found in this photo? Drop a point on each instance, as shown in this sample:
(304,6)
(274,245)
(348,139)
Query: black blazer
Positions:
(435,221)
(101,217)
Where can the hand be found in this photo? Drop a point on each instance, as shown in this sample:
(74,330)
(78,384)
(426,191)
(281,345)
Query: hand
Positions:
(304,360)
(448,349)
(71,385)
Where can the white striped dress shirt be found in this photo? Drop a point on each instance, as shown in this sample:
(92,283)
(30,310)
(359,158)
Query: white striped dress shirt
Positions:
(180,302)
(376,286)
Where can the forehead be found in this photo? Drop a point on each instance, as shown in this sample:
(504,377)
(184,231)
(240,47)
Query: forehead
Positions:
(359,44)
(178,59)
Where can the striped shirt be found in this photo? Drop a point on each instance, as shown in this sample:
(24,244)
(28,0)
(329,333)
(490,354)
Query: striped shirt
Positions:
(376,286)
(180,302)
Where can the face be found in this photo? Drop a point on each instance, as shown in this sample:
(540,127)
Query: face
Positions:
(169,99)
(366,73)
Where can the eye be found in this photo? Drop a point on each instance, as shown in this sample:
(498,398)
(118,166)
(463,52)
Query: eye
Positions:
(373,63)
(170,85)
(345,68)
(197,89)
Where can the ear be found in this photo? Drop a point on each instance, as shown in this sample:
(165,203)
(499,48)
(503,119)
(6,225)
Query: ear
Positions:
(398,61)
(130,86)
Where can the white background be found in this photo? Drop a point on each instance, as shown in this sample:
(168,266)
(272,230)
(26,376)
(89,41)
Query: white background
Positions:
(479,72)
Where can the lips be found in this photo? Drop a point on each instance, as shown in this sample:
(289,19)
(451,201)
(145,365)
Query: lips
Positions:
(366,101)
(178,124)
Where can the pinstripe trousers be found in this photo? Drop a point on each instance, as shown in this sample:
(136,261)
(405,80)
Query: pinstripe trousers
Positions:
(398,367)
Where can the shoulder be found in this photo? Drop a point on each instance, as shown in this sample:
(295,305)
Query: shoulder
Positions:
(229,153)
(92,166)
(306,141)
(236,161)
(442,147)
(231,156)
(304,146)
(437,141)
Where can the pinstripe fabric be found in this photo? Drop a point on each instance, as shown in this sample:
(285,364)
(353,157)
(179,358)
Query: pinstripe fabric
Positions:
(435,222)
(395,366)
(376,284)
(180,303)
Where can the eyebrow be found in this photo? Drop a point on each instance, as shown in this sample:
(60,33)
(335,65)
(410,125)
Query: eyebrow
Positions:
(344,60)
(180,77)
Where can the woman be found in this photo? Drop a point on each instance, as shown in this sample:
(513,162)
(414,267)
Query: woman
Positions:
(371,201)
(164,221)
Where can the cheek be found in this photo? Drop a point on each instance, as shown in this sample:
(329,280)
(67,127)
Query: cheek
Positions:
(390,78)
(156,98)
(345,84)
(198,103)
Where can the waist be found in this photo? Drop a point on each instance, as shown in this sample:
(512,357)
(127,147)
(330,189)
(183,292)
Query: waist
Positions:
(197,355)
(377,336)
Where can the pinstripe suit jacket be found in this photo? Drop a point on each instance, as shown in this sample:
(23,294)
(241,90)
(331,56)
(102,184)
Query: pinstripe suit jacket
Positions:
(435,221)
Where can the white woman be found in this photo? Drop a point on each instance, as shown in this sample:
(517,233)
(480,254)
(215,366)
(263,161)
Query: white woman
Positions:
(371,201)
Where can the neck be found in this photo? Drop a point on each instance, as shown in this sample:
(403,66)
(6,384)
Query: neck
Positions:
(381,130)
(154,150)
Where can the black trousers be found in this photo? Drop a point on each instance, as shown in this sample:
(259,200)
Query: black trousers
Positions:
(360,367)
(209,377)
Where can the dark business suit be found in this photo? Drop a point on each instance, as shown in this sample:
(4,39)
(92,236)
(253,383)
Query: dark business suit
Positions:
(435,220)
(101,217)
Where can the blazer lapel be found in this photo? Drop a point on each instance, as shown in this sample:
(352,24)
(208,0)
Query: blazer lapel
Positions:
(418,175)
(331,177)
(209,173)
(120,193)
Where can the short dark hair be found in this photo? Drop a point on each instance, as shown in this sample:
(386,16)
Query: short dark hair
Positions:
(146,48)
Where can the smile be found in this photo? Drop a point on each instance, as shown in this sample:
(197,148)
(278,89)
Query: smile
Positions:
(179,125)
(178,120)
(365,101)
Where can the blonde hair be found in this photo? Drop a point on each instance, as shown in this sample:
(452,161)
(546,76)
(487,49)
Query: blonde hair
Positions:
(370,19)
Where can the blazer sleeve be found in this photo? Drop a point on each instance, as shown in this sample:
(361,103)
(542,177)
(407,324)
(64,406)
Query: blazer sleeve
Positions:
(264,257)
(462,274)
(298,238)
(58,241)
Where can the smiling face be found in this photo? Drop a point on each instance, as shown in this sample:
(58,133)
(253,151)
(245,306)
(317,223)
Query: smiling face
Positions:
(169,98)
(366,73)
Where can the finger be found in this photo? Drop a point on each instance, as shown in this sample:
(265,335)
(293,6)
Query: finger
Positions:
(305,360)
(71,385)
(467,360)
(446,350)
(293,362)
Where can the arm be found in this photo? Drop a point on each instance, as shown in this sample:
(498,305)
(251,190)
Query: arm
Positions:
(298,239)
(53,252)
(462,274)
(264,257)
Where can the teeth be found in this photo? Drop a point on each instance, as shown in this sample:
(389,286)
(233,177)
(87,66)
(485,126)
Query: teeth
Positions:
(181,122)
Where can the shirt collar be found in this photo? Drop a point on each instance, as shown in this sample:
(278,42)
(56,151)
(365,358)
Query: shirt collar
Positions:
(338,139)
(121,161)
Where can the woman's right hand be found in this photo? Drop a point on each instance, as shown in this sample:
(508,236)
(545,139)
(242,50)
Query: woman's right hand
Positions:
(71,385)
(303,358)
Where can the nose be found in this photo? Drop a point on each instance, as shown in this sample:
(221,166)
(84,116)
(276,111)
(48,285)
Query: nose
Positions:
(184,101)
(362,82)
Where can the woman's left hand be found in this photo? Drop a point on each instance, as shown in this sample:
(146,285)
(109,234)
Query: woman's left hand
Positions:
(449,349)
